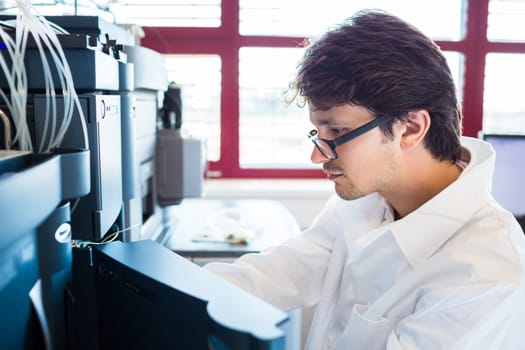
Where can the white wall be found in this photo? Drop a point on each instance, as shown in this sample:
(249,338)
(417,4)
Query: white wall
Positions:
(304,198)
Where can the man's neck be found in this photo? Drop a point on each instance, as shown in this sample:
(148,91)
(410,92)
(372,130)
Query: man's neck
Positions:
(422,184)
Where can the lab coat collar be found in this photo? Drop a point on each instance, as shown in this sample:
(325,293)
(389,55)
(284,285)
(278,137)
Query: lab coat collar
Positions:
(423,231)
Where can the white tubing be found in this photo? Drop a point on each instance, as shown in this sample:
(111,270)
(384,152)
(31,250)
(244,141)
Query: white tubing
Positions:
(29,23)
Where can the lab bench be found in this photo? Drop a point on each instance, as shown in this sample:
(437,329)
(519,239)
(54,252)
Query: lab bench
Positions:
(206,230)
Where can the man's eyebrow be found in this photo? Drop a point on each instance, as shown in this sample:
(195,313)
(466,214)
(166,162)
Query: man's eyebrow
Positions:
(335,121)
(325,121)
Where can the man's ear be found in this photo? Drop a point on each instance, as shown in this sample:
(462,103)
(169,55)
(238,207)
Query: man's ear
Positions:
(416,127)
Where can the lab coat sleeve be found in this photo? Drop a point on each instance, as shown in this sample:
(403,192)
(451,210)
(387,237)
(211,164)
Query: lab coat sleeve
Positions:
(289,275)
(465,318)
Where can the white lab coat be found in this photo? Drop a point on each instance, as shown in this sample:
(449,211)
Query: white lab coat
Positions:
(450,275)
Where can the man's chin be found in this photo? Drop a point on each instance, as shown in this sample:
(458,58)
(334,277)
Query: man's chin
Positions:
(347,194)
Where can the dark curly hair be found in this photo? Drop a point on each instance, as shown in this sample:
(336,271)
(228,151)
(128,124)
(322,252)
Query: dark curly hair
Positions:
(377,61)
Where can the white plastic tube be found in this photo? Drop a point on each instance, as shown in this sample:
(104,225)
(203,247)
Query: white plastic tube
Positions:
(30,24)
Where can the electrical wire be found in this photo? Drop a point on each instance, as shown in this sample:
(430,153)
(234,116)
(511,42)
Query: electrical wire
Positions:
(110,237)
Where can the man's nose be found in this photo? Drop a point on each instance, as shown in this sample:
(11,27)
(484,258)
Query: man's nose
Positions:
(317,157)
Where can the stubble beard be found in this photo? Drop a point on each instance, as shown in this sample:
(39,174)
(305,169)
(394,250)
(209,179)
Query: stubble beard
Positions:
(348,191)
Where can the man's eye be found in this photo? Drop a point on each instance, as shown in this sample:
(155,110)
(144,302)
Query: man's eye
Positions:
(336,131)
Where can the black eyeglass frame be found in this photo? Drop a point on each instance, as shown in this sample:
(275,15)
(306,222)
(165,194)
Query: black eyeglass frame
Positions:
(380,120)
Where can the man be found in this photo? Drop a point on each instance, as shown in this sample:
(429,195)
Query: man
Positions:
(413,252)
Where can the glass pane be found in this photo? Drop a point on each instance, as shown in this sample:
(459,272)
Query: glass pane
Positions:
(64,7)
(200,79)
(506,20)
(503,102)
(272,132)
(456,62)
(170,13)
(160,13)
(441,20)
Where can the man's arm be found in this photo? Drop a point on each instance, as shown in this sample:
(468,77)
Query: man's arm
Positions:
(464,318)
(291,274)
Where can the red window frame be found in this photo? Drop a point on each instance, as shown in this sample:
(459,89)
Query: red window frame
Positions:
(225,41)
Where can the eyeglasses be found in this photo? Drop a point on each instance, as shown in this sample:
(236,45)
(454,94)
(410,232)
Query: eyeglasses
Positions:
(327,147)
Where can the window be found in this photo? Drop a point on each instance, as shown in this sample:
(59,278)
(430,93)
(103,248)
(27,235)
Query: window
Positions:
(439,19)
(506,20)
(456,62)
(199,77)
(272,132)
(504,105)
(170,13)
(504,62)
(242,57)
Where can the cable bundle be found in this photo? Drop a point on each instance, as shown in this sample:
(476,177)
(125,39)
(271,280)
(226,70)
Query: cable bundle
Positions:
(30,25)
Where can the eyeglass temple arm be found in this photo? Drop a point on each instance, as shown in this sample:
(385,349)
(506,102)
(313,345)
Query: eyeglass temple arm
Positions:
(362,129)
